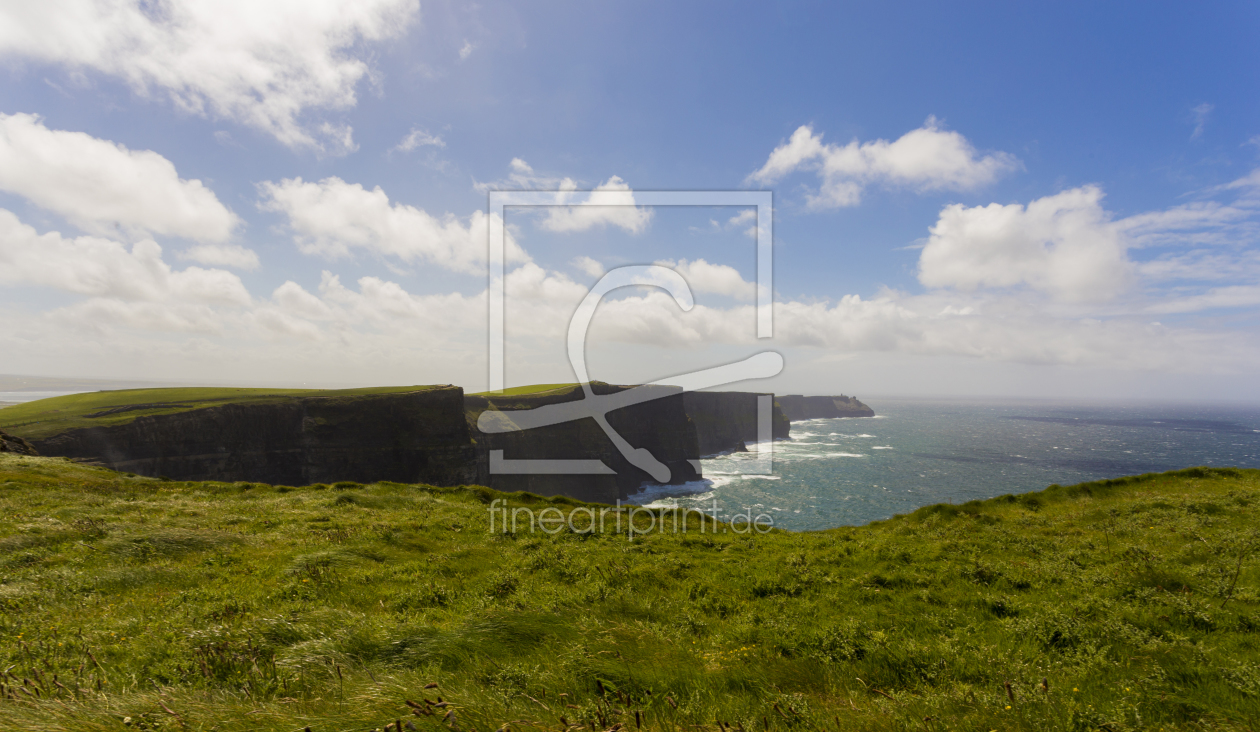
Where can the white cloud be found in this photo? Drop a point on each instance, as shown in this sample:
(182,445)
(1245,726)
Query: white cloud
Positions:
(293,299)
(103,268)
(1064,245)
(107,315)
(589,266)
(928,158)
(223,255)
(717,279)
(1201,114)
(263,64)
(1201,265)
(103,187)
(1233,296)
(610,203)
(1068,246)
(331,218)
(419,138)
(466,50)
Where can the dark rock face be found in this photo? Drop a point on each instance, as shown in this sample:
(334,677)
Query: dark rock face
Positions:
(415,437)
(660,426)
(726,420)
(16,445)
(798,407)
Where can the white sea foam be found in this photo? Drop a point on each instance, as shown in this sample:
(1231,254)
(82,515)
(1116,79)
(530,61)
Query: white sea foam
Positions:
(882,447)
(651,492)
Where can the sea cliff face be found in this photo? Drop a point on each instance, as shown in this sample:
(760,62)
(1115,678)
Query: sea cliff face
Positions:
(402,434)
(798,407)
(660,426)
(413,437)
(727,420)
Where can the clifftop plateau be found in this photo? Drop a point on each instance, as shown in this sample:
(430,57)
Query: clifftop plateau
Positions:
(798,407)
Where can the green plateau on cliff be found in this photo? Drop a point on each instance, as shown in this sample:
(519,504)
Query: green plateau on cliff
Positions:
(39,419)
(139,604)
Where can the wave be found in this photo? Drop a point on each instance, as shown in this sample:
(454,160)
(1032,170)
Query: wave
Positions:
(651,492)
(882,447)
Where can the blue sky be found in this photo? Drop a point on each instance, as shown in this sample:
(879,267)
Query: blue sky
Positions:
(977,199)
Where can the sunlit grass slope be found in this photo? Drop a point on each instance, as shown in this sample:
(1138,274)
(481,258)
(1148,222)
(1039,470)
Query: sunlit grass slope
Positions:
(45,417)
(131,603)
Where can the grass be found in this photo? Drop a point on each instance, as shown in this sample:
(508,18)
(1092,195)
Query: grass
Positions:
(47,417)
(132,603)
(524,390)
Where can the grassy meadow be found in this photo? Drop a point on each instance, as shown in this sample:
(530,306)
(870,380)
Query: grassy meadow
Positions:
(129,603)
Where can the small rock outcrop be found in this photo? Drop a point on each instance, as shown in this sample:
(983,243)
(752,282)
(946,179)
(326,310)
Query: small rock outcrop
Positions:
(16,445)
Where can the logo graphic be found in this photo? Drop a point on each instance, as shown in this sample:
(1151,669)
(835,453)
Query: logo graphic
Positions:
(596,406)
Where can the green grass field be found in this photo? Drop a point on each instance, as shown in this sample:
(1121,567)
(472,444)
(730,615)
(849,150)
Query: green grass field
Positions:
(45,417)
(525,390)
(133,603)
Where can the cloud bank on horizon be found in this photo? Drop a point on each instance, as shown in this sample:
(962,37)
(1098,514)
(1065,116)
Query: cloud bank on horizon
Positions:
(251,233)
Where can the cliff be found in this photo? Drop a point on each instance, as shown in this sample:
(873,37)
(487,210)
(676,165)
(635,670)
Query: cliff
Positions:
(660,426)
(417,436)
(726,420)
(16,445)
(798,407)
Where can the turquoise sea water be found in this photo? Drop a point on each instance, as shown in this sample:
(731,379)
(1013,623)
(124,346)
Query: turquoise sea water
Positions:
(835,472)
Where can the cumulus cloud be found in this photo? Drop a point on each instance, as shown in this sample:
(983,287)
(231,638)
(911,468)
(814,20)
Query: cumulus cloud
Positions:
(223,255)
(1064,245)
(610,203)
(103,268)
(716,279)
(589,266)
(928,158)
(263,64)
(1071,248)
(332,217)
(466,50)
(103,187)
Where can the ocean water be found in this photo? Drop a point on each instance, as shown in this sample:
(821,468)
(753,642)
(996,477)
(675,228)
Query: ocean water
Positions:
(838,472)
(30,396)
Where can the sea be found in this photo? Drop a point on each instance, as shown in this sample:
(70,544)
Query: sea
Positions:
(916,452)
(18,397)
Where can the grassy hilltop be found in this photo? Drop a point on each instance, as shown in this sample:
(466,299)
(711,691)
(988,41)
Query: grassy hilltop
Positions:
(132,603)
(46,417)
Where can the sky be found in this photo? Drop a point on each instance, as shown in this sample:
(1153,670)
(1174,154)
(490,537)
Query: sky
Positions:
(1048,200)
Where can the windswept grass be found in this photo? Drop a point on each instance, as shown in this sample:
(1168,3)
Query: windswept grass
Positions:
(131,603)
(45,417)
